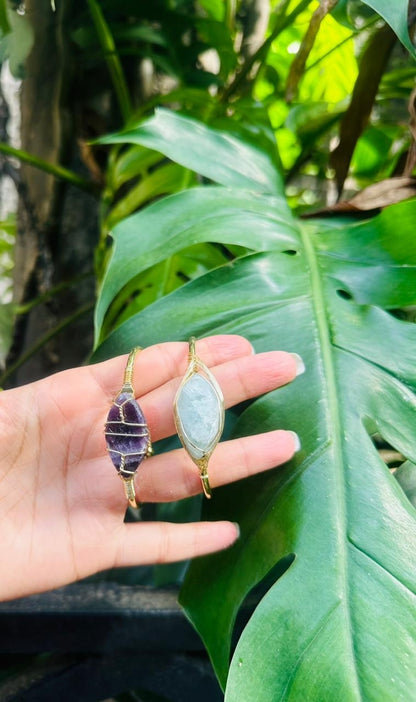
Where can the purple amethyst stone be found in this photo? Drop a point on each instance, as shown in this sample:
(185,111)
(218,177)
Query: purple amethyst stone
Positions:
(127,435)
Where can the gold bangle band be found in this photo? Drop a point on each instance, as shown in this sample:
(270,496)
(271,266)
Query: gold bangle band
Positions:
(130,491)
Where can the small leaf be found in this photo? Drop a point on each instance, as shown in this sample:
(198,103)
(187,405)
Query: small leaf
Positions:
(406,477)
(4,21)
(7,312)
(197,147)
(18,42)
(161,181)
(131,163)
(214,8)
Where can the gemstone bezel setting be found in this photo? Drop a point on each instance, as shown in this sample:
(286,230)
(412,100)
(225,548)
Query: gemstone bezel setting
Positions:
(126,432)
(197,395)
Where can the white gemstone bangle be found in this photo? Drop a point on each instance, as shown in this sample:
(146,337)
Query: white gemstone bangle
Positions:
(199,414)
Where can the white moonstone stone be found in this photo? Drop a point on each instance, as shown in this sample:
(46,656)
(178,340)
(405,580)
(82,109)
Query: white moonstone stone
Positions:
(200,413)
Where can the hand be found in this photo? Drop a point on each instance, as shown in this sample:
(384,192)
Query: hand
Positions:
(62,504)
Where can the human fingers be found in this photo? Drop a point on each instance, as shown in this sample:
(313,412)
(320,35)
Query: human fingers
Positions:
(163,542)
(156,365)
(240,379)
(173,476)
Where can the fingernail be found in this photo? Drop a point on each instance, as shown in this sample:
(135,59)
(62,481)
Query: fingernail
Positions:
(300,366)
(296,440)
(237,526)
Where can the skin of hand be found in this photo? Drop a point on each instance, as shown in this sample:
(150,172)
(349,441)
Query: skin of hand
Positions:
(62,504)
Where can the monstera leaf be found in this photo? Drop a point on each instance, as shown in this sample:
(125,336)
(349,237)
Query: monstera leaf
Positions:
(332,530)
(396,15)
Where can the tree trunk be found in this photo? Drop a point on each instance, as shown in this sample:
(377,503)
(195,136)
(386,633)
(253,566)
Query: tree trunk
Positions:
(57,224)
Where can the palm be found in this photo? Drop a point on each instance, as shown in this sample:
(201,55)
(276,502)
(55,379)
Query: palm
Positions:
(61,502)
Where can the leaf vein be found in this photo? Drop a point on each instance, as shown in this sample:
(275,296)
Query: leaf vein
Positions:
(381,566)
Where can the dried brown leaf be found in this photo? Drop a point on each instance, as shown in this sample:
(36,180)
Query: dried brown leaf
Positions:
(375,197)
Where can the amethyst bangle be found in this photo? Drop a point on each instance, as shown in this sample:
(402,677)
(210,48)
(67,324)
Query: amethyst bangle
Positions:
(126,432)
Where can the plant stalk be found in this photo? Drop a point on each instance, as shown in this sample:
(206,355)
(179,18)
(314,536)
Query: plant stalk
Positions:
(112,58)
(44,340)
(57,171)
(281,24)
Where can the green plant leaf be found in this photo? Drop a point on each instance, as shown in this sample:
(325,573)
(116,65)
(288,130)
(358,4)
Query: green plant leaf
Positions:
(4,21)
(214,8)
(161,279)
(191,217)
(406,477)
(217,34)
(131,163)
(395,14)
(112,58)
(161,181)
(340,618)
(7,314)
(197,147)
(333,524)
(17,41)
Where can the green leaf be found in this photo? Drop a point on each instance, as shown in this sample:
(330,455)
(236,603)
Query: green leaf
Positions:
(131,163)
(7,313)
(4,21)
(340,14)
(86,37)
(161,279)
(406,477)
(196,146)
(340,618)
(311,121)
(331,68)
(395,14)
(187,218)
(332,530)
(115,68)
(17,43)
(373,151)
(162,181)
(217,34)
(214,8)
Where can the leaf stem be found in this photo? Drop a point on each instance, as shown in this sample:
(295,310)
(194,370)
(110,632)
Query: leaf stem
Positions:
(282,22)
(112,58)
(297,67)
(230,7)
(44,340)
(51,168)
(353,34)
(26,307)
